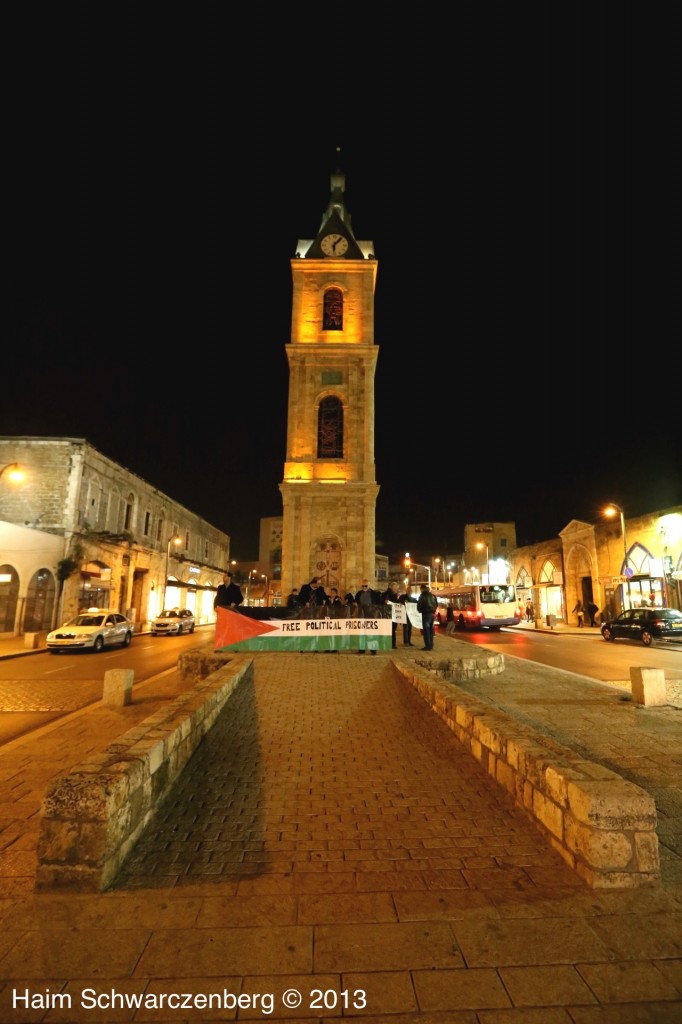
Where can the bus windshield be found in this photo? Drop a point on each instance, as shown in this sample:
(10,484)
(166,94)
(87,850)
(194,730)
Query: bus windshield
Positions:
(497,594)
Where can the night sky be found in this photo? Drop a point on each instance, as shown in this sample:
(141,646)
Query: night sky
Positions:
(518,170)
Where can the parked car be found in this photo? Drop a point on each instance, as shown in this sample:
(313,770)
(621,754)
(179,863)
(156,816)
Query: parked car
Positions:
(93,630)
(645,624)
(174,621)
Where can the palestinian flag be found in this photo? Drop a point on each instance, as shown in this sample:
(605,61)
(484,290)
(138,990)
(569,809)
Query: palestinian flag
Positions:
(237,632)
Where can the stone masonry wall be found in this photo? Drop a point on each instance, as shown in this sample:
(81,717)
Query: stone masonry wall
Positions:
(603,826)
(92,818)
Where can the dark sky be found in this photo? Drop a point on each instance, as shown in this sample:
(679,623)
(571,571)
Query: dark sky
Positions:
(518,170)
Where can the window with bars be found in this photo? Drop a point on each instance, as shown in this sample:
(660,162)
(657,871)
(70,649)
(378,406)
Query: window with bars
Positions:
(332,310)
(330,429)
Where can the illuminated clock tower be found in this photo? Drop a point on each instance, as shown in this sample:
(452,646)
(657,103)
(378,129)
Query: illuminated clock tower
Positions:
(329,491)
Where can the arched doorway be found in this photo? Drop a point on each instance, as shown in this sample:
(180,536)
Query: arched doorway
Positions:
(9,595)
(39,602)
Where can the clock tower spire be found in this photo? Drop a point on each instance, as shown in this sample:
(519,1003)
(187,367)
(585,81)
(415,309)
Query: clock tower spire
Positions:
(329,489)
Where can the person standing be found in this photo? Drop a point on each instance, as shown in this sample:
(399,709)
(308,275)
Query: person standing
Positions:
(367,602)
(592,610)
(336,608)
(580,613)
(349,600)
(404,598)
(390,597)
(427,605)
(313,598)
(529,610)
(449,619)
(294,601)
(228,594)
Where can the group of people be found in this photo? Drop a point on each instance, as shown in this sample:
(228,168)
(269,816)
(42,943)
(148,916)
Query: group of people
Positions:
(592,610)
(312,600)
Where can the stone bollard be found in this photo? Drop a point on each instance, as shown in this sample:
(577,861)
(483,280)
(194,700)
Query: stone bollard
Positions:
(648,686)
(118,687)
(32,640)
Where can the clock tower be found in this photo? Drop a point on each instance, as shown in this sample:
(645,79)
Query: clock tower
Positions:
(329,491)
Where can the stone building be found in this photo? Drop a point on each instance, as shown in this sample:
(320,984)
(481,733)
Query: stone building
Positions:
(329,490)
(595,561)
(80,530)
(586,561)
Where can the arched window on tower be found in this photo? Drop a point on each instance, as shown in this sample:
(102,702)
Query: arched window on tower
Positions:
(332,311)
(330,429)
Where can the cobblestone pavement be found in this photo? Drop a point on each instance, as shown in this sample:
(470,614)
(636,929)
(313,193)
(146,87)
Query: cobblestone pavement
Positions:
(48,695)
(331,835)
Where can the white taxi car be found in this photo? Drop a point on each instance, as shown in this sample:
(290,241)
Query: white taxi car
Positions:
(173,621)
(93,630)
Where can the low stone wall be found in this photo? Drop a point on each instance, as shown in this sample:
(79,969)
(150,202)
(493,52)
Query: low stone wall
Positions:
(603,826)
(92,818)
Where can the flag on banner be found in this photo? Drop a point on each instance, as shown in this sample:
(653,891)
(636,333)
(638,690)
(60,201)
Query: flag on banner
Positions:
(238,632)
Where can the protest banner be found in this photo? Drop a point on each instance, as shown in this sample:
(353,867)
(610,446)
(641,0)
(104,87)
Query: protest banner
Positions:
(235,631)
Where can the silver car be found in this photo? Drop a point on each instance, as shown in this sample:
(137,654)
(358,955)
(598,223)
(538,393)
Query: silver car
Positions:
(174,621)
(93,630)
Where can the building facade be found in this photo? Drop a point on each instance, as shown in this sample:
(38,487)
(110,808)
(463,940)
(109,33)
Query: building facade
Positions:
(80,531)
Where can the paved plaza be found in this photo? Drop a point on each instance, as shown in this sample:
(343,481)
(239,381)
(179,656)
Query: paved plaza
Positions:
(332,851)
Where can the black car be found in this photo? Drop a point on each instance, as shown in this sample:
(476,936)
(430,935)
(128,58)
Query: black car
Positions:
(645,624)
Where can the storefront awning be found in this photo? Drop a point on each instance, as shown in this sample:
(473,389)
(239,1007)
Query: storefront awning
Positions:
(188,585)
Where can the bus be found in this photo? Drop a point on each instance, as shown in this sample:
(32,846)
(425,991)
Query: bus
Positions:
(480,606)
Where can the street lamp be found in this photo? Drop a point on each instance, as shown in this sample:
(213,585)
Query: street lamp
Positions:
(267,594)
(15,473)
(612,510)
(480,545)
(172,540)
(254,573)
(411,566)
(439,563)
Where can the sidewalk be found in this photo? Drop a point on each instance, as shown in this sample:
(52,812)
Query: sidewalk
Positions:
(331,834)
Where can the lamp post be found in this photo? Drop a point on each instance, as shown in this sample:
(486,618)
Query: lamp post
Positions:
(413,566)
(252,572)
(267,585)
(436,563)
(480,545)
(611,510)
(171,540)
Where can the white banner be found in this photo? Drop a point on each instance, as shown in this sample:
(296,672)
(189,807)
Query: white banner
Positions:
(400,612)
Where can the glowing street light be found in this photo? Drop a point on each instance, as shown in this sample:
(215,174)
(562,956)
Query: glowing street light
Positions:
(172,540)
(16,474)
(411,566)
(612,510)
(267,588)
(437,563)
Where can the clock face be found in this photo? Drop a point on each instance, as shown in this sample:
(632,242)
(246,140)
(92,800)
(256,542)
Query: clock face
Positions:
(334,245)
